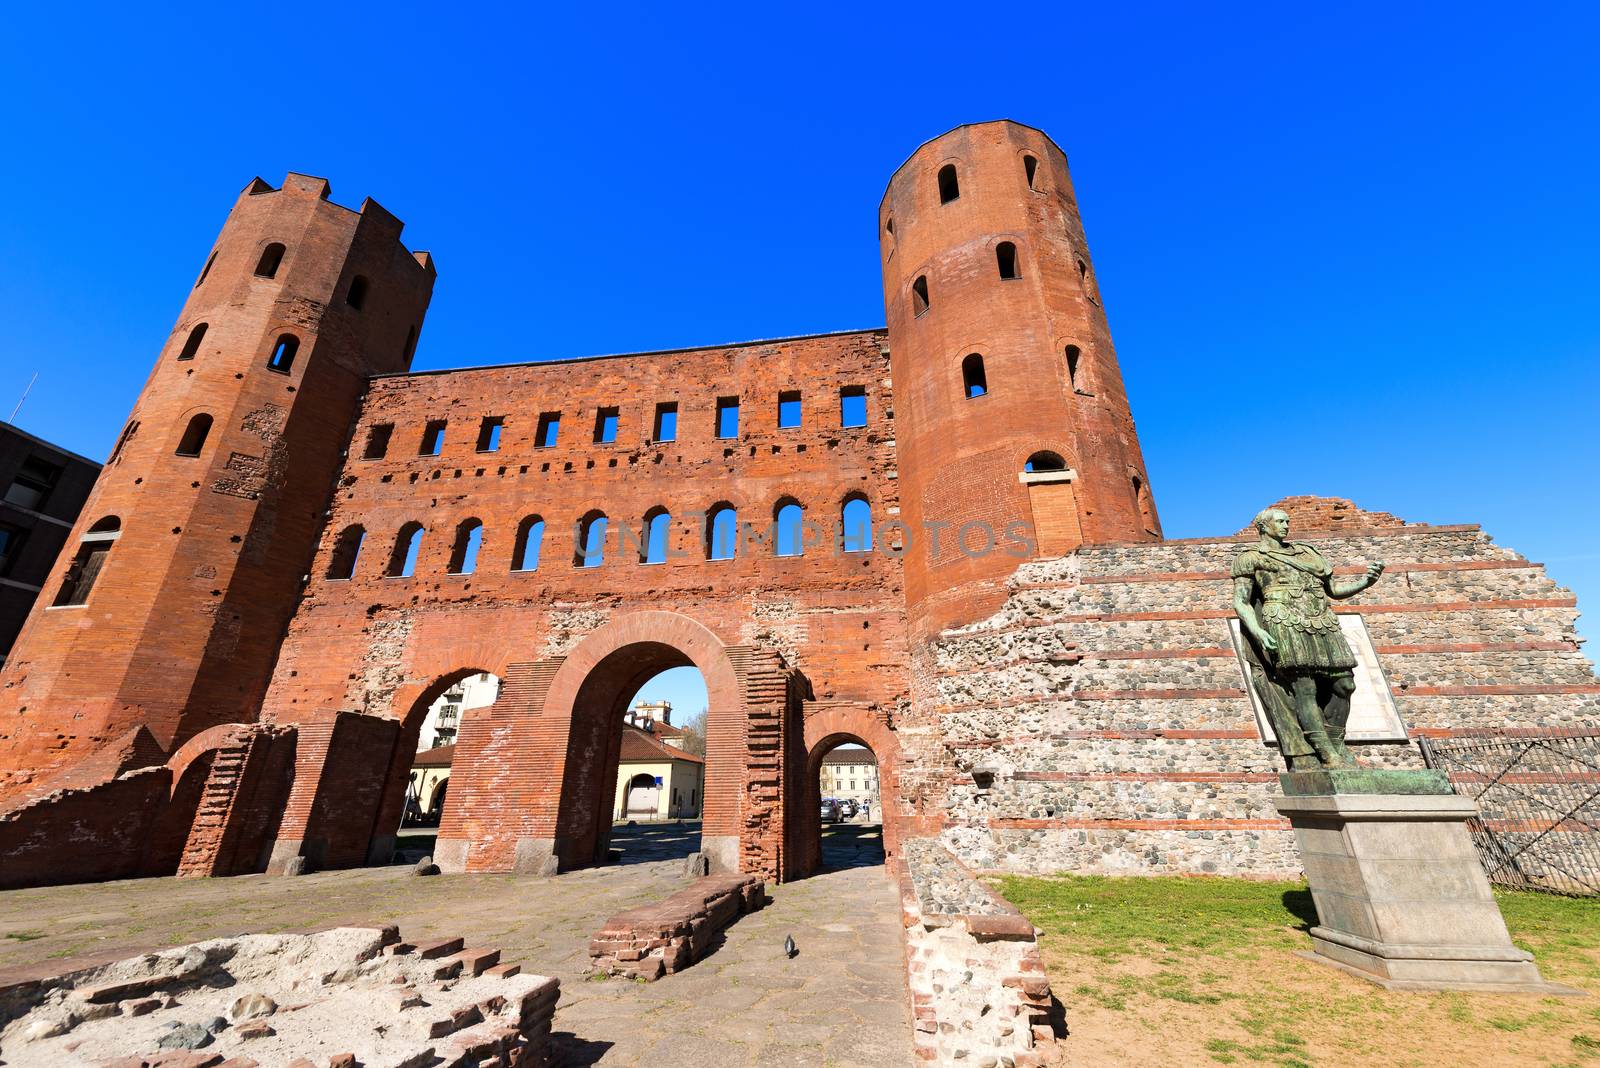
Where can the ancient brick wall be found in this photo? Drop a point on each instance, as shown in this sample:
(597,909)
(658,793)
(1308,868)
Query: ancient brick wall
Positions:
(1099,720)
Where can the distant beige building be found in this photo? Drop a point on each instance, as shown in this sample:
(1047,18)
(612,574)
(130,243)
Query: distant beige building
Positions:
(853,774)
(656,780)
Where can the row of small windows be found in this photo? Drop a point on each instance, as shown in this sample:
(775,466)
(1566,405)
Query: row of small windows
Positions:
(950,184)
(1006,263)
(284,349)
(607,422)
(788,536)
(272,258)
(975,383)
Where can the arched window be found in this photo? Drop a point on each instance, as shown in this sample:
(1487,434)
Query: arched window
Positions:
(194,435)
(192,346)
(346,551)
(856,519)
(283,353)
(1030,167)
(464,554)
(972,376)
(1073,355)
(949,188)
(722,532)
(919,294)
(788,532)
(357,293)
(590,545)
(407,545)
(90,560)
(1005,254)
(271,257)
(205,270)
(657,529)
(127,435)
(1045,461)
(530,538)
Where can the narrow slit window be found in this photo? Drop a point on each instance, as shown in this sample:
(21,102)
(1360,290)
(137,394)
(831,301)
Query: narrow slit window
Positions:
(1030,167)
(549,430)
(127,435)
(853,406)
(788,409)
(271,258)
(194,435)
(919,294)
(1005,254)
(432,438)
(191,346)
(972,376)
(464,553)
(407,547)
(378,441)
(283,354)
(1074,356)
(356,295)
(489,433)
(530,538)
(605,426)
(949,187)
(727,417)
(205,270)
(666,428)
(346,552)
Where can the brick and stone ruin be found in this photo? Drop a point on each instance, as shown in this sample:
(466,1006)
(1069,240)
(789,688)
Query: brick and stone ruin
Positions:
(944,546)
(349,996)
(664,937)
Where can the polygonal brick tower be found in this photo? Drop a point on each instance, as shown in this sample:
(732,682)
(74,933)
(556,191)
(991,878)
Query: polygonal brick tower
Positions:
(1012,426)
(169,604)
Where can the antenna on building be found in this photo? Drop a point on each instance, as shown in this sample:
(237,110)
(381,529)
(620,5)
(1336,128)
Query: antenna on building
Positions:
(24,397)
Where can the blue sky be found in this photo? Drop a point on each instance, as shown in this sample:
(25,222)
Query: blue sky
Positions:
(1375,222)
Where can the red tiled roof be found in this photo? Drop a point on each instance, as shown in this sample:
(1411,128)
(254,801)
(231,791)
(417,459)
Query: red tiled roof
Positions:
(850,756)
(639,746)
(438,757)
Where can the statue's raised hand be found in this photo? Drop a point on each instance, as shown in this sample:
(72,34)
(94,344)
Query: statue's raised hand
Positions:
(1374,570)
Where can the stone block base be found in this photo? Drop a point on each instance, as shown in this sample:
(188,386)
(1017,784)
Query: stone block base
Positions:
(655,940)
(1401,897)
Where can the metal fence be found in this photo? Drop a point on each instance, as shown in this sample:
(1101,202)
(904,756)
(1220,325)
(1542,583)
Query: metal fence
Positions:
(1538,823)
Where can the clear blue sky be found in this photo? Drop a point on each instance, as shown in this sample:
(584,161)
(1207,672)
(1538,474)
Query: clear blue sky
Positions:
(1395,205)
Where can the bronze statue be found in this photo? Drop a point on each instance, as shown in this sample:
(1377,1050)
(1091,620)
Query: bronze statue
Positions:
(1301,665)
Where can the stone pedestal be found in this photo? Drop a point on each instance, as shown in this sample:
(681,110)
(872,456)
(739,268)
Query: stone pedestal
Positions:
(1401,896)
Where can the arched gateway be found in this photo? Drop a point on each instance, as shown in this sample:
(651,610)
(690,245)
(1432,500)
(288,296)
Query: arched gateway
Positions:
(534,774)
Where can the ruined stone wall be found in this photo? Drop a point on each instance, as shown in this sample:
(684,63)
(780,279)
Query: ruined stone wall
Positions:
(1110,730)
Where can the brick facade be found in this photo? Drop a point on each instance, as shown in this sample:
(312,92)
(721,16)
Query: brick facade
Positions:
(1044,683)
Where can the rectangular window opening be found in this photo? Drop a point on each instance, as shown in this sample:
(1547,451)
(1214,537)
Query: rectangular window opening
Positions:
(605,426)
(727,417)
(11,541)
(549,430)
(666,428)
(432,438)
(489,433)
(853,406)
(33,483)
(378,441)
(789,409)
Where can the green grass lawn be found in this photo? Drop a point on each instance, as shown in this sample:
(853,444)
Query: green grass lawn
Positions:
(1208,968)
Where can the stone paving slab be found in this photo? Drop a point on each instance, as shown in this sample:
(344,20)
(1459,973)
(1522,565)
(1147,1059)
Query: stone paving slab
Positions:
(841,1002)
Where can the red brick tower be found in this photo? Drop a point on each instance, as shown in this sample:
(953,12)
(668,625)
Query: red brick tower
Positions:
(167,608)
(1001,356)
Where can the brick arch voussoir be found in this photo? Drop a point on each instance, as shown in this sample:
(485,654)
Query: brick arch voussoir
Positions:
(207,741)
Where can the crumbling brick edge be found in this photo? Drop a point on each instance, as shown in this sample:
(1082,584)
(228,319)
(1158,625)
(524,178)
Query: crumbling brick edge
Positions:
(665,937)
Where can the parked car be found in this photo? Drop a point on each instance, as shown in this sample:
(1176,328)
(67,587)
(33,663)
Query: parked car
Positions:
(847,809)
(830,810)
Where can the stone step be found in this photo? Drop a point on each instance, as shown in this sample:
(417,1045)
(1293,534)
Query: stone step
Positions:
(477,961)
(440,947)
(503,971)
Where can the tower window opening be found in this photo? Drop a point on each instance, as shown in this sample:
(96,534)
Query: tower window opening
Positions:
(549,430)
(192,346)
(127,435)
(283,354)
(407,547)
(1141,497)
(1074,357)
(949,187)
(346,551)
(271,257)
(464,554)
(590,544)
(1030,167)
(489,433)
(356,295)
(194,435)
(856,523)
(530,538)
(432,438)
(853,406)
(972,376)
(378,441)
(605,426)
(666,428)
(722,532)
(1005,254)
(919,294)
(90,560)
(727,417)
(788,409)
(889,226)
(205,270)
(1045,461)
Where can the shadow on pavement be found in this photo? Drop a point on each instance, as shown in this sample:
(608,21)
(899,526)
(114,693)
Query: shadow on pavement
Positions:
(851,845)
(641,843)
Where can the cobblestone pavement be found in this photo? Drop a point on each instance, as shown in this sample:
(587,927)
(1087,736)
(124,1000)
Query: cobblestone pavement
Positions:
(842,1001)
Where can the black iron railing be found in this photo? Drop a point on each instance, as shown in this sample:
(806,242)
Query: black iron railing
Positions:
(1538,823)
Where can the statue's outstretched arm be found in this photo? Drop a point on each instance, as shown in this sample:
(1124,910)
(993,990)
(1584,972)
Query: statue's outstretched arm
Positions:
(1351,587)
